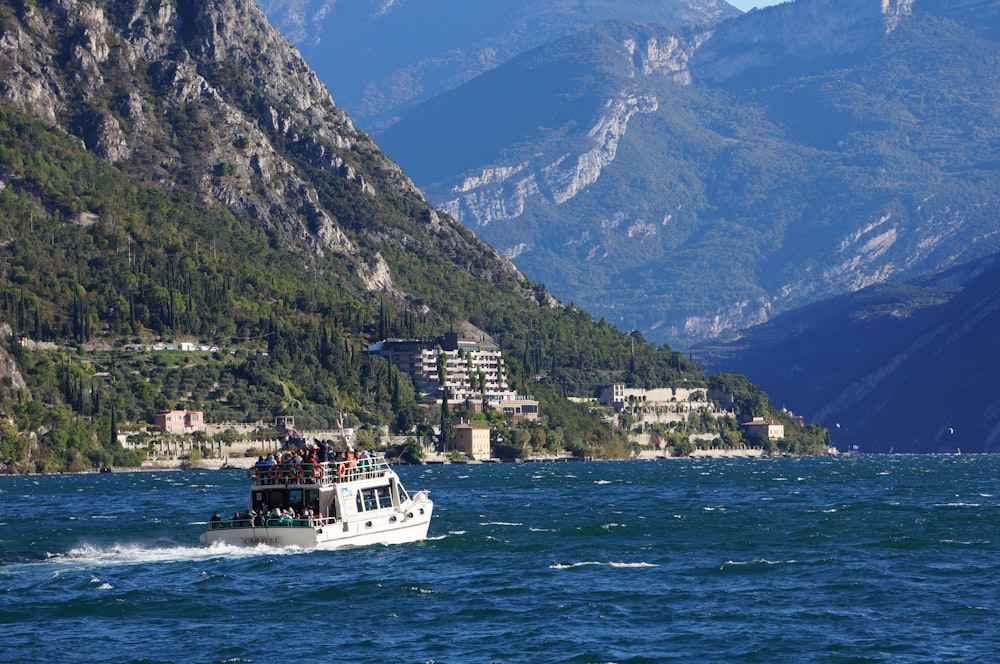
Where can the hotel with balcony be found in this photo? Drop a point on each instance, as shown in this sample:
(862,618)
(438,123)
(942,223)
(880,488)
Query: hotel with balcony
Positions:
(473,371)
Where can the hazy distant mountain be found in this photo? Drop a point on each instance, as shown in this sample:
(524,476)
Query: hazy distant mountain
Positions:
(684,182)
(908,367)
(380,57)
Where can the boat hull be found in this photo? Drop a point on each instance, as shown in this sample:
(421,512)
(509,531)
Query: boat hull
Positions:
(389,528)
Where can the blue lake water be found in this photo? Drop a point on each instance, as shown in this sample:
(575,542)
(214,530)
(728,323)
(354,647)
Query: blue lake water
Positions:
(861,559)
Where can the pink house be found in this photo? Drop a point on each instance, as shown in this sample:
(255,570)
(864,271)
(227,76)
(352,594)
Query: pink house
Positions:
(179,421)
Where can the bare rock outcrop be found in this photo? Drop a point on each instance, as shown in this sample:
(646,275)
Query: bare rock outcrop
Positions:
(500,192)
(132,74)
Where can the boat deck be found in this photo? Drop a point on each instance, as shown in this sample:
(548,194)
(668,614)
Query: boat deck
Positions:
(328,473)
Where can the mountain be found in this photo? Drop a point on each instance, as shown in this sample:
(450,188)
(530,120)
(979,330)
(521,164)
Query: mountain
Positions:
(173,171)
(688,181)
(382,57)
(902,367)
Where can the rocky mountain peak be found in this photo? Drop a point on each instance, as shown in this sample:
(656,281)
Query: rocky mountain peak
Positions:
(131,79)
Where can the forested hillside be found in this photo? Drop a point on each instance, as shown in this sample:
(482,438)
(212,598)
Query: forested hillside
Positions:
(175,173)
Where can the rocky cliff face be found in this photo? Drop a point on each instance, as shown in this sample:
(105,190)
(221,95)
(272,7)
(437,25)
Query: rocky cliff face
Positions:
(132,79)
(8,368)
(500,191)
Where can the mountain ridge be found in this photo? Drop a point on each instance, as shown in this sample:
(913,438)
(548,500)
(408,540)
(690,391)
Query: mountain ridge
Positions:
(462,41)
(828,173)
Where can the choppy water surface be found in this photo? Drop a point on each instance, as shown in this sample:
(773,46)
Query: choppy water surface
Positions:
(863,559)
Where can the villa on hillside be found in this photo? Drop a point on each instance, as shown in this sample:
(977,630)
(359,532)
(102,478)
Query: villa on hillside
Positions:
(758,427)
(179,421)
(664,404)
(472,371)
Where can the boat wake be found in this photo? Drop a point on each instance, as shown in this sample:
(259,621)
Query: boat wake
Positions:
(160,551)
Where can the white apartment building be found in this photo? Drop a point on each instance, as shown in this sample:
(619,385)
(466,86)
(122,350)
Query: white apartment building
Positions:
(473,371)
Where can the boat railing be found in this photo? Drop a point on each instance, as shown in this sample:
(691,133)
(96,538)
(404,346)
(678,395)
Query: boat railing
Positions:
(270,522)
(323,474)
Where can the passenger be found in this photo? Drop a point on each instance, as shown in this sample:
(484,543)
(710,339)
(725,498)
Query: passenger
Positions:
(340,459)
(308,461)
(216,520)
(270,461)
(350,460)
(364,463)
(260,461)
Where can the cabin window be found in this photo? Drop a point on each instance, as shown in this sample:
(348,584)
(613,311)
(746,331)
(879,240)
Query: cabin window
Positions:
(373,499)
(312,500)
(269,499)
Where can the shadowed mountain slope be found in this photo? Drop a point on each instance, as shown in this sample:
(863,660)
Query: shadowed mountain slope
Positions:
(907,367)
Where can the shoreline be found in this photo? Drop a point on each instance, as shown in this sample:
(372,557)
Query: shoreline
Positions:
(239,463)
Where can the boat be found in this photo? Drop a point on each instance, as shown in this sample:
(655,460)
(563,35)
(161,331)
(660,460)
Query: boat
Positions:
(325,505)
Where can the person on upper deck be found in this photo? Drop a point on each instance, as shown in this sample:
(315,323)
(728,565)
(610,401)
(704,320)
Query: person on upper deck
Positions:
(364,462)
(351,459)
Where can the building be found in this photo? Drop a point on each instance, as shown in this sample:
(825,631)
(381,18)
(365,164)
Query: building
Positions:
(620,396)
(519,410)
(758,427)
(459,370)
(179,421)
(473,440)
(662,405)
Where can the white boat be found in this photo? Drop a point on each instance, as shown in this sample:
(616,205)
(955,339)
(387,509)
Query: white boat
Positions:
(337,504)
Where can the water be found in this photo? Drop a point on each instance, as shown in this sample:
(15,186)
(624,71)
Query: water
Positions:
(864,559)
